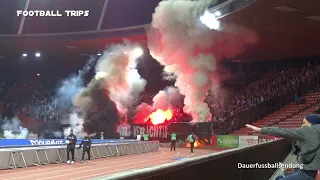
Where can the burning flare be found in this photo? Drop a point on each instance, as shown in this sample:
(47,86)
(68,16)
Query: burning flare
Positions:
(160,116)
(198,143)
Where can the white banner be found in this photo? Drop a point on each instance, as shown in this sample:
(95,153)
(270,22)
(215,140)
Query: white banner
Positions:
(245,141)
(153,131)
(124,130)
(158,131)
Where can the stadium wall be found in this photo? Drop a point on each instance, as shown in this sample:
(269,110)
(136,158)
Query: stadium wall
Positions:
(221,165)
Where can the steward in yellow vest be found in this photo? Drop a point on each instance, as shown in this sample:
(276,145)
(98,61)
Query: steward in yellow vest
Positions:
(173,141)
(146,137)
(191,139)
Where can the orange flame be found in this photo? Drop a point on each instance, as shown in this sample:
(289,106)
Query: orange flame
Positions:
(198,143)
(160,116)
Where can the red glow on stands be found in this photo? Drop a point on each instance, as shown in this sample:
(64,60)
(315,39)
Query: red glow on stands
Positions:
(160,116)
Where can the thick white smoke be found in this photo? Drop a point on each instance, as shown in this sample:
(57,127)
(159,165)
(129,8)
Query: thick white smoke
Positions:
(76,125)
(166,99)
(105,101)
(189,50)
(69,87)
(12,129)
(118,69)
(58,134)
(174,36)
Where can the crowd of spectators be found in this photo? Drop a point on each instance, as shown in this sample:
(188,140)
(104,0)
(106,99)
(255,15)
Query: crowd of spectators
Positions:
(37,103)
(269,86)
(24,95)
(35,100)
(33,107)
(15,95)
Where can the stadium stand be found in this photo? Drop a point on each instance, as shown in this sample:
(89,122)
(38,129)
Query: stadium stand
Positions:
(23,96)
(274,90)
(280,97)
(269,86)
(290,116)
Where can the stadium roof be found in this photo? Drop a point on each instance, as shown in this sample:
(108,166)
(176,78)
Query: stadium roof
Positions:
(287,28)
(283,33)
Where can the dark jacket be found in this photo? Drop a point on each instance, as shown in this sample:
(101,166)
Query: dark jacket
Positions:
(86,142)
(308,139)
(73,141)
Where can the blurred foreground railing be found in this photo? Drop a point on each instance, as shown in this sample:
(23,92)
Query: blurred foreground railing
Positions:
(222,165)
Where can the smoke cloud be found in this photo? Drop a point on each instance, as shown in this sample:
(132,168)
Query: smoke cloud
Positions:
(63,100)
(76,124)
(99,112)
(189,50)
(118,67)
(72,86)
(58,134)
(169,98)
(12,129)
(114,89)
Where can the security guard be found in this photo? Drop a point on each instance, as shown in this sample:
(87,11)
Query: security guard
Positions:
(101,136)
(191,140)
(146,137)
(86,142)
(71,146)
(173,141)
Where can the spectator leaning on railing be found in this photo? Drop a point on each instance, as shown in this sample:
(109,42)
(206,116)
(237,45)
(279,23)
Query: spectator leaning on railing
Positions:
(308,140)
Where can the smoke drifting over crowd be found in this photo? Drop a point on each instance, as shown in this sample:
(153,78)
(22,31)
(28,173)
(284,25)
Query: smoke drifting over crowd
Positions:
(63,100)
(12,129)
(118,67)
(97,107)
(179,41)
(114,89)
(189,50)
(76,124)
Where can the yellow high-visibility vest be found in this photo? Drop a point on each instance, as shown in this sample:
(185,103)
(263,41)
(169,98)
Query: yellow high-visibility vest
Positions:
(173,137)
(191,139)
(146,137)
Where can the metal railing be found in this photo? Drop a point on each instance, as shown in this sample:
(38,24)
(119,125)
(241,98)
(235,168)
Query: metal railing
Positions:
(44,155)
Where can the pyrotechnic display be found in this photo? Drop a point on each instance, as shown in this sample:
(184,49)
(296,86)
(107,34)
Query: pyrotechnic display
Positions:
(146,89)
(184,39)
(160,116)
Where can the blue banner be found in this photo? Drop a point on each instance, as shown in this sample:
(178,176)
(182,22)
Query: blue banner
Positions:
(37,142)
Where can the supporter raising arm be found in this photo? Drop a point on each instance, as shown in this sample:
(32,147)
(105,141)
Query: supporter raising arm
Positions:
(308,137)
(297,134)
